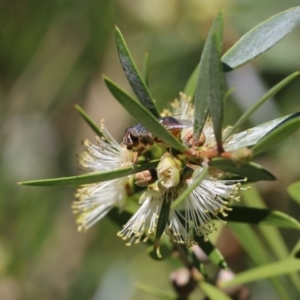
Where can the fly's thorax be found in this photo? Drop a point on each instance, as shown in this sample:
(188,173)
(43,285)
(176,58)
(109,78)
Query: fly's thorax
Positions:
(138,138)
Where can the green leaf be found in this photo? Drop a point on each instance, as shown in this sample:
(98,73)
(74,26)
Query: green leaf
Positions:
(279,133)
(190,87)
(133,76)
(251,136)
(157,293)
(262,216)
(255,249)
(294,191)
(186,192)
(251,171)
(216,91)
(146,68)
(269,94)
(261,38)
(205,82)
(142,115)
(271,234)
(296,251)
(266,271)
(212,252)
(163,219)
(229,93)
(213,292)
(197,263)
(91,178)
(250,242)
(89,121)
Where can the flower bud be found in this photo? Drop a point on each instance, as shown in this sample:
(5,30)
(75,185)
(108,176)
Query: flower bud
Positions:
(238,292)
(169,171)
(183,282)
(242,155)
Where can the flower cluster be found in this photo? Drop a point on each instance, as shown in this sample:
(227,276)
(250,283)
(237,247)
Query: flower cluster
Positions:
(193,216)
(94,201)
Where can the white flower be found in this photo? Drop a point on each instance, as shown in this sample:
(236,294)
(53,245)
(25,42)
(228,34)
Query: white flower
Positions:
(94,201)
(195,216)
(143,223)
(210,198)
(105,155)
(182,108)
(206,201)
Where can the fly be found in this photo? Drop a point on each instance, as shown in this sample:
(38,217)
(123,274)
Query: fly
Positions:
(138,138)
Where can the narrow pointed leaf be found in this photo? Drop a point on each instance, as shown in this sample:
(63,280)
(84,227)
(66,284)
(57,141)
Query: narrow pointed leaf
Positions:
(296,251)
(229,93)
(204,82)
(251,136)
(133,76)
(266,271)
(271,235)
(142,115)
(163,220)
(261,38)
(190,86)
(255,249)
(89,121)
(294,191)
(216,91)
(212,252)
(279,133)
(146,68)
(250,242)
(157,293)
(269,94)
(197,263)
(213,292)
(261,216)
(251,171)
(91,178)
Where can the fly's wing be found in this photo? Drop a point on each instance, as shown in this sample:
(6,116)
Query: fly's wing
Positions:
(178,124)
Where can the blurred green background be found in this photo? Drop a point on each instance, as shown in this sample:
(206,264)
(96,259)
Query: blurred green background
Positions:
(52,56)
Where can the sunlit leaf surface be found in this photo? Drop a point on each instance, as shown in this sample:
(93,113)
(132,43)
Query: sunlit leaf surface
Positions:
(277,134)
(213,292)
(269,94)
(294,191)
(251,136)
(261,38)
(266,271)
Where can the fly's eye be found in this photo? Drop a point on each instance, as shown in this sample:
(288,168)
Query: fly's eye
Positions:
(134,136)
